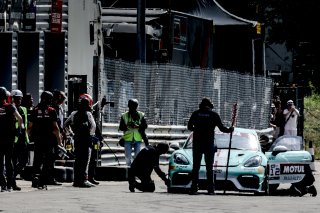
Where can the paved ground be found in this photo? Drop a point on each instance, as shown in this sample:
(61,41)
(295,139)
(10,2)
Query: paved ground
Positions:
(112,196)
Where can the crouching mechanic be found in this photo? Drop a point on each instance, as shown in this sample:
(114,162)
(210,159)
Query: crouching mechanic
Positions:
(143,165)
(305,186)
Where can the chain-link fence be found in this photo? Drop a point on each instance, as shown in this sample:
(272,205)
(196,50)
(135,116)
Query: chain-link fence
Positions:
(168,94)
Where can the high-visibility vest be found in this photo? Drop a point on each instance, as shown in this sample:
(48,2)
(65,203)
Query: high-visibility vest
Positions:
(25,119)
(132,134)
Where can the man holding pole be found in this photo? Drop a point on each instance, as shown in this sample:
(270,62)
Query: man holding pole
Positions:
(203,122)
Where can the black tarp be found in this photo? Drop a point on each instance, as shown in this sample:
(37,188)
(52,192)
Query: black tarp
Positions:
(208,9)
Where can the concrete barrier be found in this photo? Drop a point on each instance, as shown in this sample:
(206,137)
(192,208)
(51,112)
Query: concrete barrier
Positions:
(113,155)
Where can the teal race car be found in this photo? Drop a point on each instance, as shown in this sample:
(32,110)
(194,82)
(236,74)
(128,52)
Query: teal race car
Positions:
(288,162)
(247,168)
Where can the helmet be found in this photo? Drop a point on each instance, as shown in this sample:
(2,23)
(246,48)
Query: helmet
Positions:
(84,103)
(46,96)
(16,93)
(87,96)
(3,93)
(133,103)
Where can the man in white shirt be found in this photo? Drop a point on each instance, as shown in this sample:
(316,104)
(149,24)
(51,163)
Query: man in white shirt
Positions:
(291,115)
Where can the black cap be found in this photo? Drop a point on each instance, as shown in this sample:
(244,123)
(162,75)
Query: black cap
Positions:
(206,103)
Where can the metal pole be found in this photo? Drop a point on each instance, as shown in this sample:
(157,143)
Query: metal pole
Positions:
(5,21)
(234,117)
(141,31)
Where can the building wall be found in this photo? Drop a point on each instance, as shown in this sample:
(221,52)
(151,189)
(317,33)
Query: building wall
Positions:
(81,52)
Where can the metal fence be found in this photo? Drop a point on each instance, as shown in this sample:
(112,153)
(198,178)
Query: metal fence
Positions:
(168,93)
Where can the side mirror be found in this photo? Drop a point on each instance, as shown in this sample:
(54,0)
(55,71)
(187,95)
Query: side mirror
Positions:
(174,146)
(279,149)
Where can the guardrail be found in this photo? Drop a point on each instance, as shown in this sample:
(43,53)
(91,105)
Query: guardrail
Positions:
(112,154)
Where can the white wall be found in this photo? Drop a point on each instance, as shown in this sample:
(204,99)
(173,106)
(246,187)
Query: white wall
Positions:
(80,52)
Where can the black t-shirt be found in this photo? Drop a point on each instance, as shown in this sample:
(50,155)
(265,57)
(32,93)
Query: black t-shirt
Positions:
(203,123)
(7,121)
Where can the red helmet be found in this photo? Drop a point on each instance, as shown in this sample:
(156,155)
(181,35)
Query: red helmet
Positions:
(86,96)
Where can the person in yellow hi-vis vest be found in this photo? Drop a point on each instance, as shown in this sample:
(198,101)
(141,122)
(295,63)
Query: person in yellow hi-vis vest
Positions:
(133,125)
(20,151)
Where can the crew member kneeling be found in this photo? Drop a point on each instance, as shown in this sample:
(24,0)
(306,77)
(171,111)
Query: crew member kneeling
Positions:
(143,165)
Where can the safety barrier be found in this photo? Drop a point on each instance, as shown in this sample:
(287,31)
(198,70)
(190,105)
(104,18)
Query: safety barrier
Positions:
(112,154)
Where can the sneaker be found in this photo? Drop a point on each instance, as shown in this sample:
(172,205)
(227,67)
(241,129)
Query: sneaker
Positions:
(93,181)
(3,188)
(16,188)
(9,189)
(91,184)
(313,191)
(85,184)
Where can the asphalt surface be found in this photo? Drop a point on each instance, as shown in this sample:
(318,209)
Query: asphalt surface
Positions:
(111,196)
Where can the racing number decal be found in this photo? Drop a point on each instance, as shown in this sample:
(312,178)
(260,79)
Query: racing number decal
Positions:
(274,170)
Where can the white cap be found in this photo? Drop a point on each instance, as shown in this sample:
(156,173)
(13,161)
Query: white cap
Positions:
(290,102)
(16,93)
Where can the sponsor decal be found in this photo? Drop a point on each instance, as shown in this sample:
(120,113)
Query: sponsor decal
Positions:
(292,169)
(277,169)
(286,173)
(56,16)
(292,177)
(181,166)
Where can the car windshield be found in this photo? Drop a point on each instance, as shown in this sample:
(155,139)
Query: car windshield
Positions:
(292,143)
(240,140)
